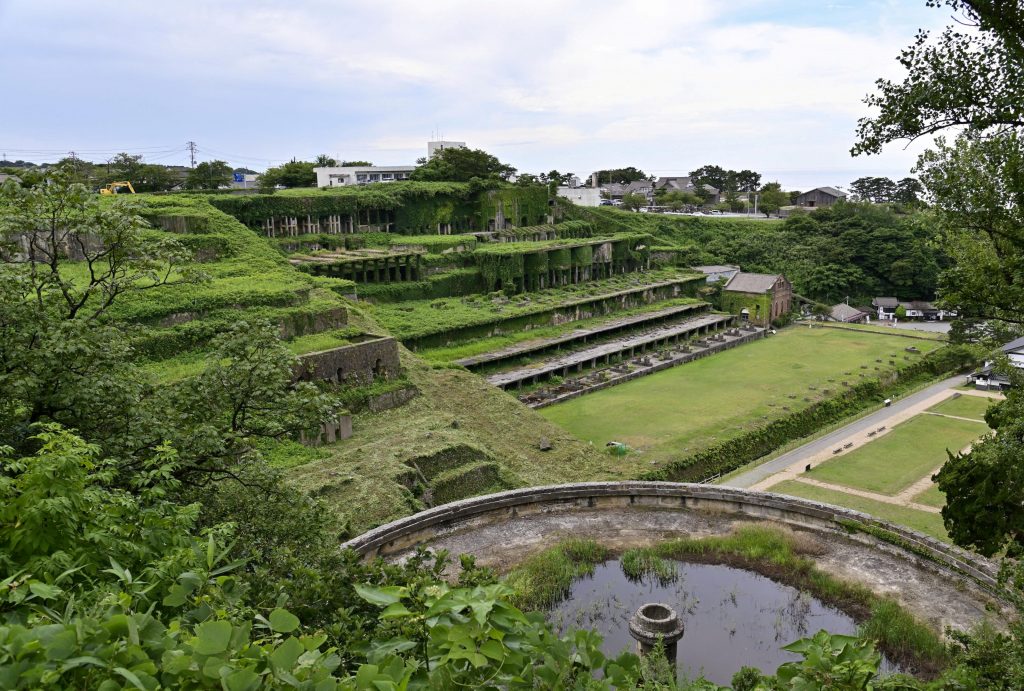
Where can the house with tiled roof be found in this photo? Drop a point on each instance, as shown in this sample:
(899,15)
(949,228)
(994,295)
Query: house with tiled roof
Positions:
(757,298)
(683,183)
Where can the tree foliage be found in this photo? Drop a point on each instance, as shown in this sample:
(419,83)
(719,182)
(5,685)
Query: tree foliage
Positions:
(621,175)
(294,173)
(209,175)
(725,180)
(772,198)
(457,164)
(971,75)
(973,80)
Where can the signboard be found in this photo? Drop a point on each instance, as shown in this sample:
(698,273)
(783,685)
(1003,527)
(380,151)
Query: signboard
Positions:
(239,177)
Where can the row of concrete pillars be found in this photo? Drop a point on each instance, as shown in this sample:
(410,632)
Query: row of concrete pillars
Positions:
(625,353)
(380,270)
(367,220)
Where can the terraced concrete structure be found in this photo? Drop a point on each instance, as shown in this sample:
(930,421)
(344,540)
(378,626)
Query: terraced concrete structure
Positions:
(942,584)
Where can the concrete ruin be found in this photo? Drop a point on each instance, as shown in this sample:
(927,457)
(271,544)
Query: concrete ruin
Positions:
(369,359)
(940,583)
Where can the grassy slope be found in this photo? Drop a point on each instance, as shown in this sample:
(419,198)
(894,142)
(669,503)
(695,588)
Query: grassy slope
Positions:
(693,406)
(900,457)
(359,476)
(928,523)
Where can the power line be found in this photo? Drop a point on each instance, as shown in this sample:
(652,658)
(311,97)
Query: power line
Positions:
(192,152)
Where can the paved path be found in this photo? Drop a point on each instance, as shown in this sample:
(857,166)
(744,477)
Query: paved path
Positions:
(790,464)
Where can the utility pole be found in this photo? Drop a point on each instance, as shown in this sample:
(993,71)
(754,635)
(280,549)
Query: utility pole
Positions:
(192,152)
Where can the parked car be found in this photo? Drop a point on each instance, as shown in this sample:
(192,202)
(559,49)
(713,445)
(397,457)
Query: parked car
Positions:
(606,202)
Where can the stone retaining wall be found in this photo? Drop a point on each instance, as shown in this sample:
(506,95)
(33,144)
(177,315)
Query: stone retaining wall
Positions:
(592,497)
(359,363)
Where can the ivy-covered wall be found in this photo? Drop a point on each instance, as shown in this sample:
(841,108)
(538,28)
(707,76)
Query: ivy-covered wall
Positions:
(760,306)
(417,207)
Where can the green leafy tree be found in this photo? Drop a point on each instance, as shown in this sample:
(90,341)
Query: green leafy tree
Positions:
(874,189)
(325,161)
(294,173)
(909,191)
(209,175)
(772,198)
(974,81)
(984,487)
(634,201)
(455,164)
(621,175)
(62,362)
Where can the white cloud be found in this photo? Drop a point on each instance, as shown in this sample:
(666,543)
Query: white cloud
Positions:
(565,77)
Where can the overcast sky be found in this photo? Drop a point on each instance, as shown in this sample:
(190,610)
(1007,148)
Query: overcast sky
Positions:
(665,85)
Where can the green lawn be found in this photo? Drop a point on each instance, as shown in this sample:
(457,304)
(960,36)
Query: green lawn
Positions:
(964,406)
(900,457)
(872,328)
(687,408)
(923,521)
(931,497)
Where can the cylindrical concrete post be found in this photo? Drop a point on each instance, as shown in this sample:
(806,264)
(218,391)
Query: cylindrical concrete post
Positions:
(653,622)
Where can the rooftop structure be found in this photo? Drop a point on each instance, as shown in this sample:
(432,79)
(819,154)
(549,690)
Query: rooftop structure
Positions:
(434,147)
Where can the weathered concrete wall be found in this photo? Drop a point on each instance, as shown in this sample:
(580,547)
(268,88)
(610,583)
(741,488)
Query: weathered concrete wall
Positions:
(330,431)
(392,399)
(359,363)
(587,501)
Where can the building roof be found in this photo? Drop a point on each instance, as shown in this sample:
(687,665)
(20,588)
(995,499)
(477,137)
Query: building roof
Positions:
(638,185)
(922,305)
(844,313)
(1014,345)
(744,282)
(681,183)
(885,302)
(831,191)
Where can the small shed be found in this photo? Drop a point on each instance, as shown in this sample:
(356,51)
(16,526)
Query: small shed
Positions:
(846,314)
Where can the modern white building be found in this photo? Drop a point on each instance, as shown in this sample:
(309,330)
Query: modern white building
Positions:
(360,175)
(434,147)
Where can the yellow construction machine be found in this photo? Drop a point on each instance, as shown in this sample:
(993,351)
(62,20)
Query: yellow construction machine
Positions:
(116,187)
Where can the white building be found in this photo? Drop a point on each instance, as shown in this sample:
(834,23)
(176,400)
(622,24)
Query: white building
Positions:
(434,147)
(989,378)
(583,196)
(360,175)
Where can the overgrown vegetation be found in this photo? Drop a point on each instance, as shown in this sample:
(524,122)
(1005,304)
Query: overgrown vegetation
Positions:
(855,250)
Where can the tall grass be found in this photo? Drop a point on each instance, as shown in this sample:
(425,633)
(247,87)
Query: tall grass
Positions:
(545,578)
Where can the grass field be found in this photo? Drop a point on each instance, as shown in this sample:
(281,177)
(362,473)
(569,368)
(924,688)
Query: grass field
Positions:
(906,333)
(899,458)
(928,523)
(931,497)
(687,408)
(964,406)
